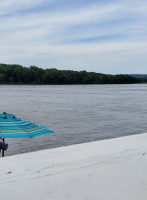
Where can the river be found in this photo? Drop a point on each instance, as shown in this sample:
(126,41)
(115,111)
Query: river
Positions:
(76,113)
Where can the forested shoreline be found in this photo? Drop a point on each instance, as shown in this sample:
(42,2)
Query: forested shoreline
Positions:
(17,74)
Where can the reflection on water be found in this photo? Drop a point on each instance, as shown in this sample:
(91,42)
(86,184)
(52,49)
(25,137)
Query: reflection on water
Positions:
(76,113)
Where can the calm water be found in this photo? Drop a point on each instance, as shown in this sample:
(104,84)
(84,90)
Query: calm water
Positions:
(77,113)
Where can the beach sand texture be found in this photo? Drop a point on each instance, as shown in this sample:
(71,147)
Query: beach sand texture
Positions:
(113,169)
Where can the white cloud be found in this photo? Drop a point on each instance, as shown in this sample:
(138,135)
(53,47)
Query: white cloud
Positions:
(9,6)
(50,32)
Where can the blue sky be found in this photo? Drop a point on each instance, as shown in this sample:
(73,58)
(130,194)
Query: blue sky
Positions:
(107,36)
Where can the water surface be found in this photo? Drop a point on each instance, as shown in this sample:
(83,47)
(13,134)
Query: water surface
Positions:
(77,113)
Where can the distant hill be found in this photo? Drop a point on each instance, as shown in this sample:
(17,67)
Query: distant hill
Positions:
(139,75)
(142,77)
(17,74)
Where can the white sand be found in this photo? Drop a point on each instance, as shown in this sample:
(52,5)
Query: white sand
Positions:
(114,169)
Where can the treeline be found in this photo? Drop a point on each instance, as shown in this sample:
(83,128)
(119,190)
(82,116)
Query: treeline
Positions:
(17,74)
(142,77)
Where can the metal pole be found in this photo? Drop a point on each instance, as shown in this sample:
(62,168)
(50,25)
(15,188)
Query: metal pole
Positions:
(3,149)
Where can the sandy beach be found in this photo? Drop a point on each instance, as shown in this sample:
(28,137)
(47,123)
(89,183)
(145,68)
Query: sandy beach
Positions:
(113,169)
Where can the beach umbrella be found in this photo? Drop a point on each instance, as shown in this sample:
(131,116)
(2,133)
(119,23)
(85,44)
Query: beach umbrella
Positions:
(13,127)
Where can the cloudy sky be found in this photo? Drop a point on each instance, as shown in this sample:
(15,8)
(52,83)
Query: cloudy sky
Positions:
(107,36)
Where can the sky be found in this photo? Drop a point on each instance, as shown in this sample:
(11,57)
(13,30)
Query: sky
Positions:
(106,36)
